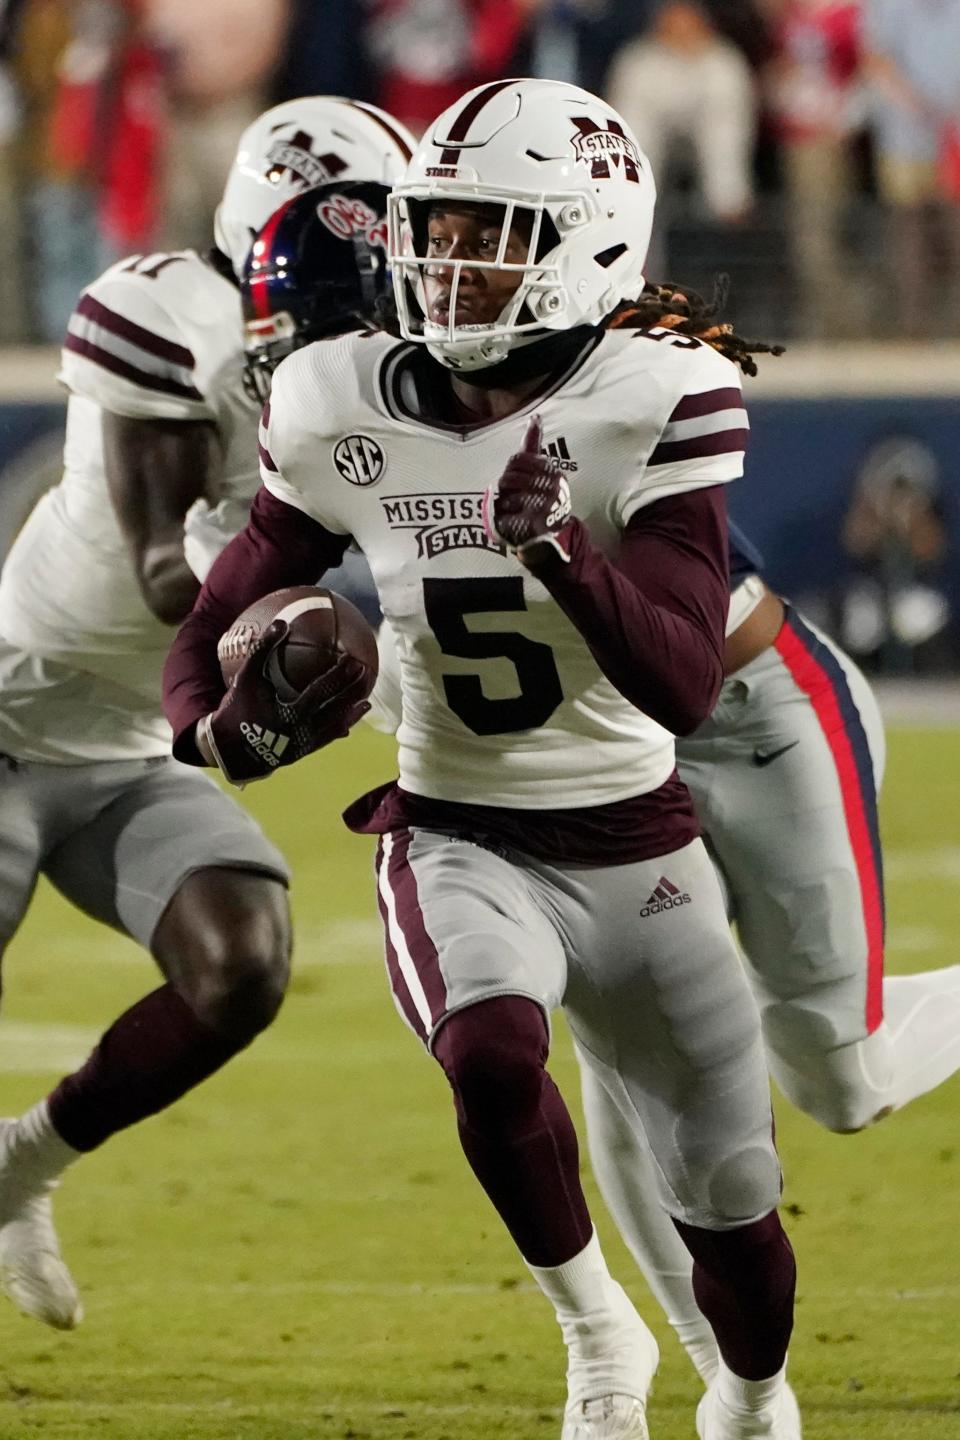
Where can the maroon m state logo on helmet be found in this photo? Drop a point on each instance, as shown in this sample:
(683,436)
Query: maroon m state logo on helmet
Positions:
(296,156)
(600,148)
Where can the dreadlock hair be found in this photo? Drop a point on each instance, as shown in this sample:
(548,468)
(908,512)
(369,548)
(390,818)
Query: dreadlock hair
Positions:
(679,308)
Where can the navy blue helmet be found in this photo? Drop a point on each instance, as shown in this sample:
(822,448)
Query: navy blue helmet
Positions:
(318,268)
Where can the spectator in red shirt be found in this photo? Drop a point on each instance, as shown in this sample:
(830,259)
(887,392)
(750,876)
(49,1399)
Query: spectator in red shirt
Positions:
(814,103)
(431,51)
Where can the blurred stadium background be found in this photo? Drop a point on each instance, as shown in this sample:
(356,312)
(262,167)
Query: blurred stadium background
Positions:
(295,1250)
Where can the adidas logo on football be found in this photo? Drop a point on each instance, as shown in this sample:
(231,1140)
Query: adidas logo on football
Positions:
(664,897)
(264,742)
(560,455)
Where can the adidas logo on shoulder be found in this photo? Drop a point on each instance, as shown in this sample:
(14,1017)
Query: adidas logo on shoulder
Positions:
(560,455)
(265,743)
(664,897)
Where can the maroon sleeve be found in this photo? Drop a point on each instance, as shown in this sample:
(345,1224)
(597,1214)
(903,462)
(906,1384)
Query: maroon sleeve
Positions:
(654,617)
(280,546)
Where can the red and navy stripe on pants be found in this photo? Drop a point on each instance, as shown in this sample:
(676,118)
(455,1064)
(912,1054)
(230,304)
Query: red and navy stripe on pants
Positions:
(817,672)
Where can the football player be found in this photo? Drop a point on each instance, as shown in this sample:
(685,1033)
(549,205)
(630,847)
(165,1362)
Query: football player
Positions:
(158,418)
(785,776)
(538,848)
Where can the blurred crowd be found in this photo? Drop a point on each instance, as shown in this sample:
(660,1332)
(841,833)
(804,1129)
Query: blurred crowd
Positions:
(809,148)
(892,609)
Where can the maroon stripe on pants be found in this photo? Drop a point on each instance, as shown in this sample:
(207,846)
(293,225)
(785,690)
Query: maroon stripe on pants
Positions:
(397,983)
(406,898)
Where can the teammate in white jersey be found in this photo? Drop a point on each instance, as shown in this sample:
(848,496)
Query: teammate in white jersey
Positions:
(556,627)
(158,419)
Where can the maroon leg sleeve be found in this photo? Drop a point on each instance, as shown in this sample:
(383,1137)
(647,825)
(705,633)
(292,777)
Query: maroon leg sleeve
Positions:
(744,1282)
(152,1055)
(514,1127)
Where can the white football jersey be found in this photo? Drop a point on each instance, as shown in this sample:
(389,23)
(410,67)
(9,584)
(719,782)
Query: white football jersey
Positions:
(502,702)
(155,337)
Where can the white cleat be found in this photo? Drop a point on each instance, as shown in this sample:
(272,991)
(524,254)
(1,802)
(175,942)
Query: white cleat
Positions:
(778,1421)
(612,1417)
(32,1273)
(608,1378)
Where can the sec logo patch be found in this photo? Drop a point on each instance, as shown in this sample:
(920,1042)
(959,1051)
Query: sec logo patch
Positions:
(359,459)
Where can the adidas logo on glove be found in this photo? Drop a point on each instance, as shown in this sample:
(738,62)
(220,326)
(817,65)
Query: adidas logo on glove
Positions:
(265,743)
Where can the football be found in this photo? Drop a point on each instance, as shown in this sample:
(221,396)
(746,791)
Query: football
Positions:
(322,627)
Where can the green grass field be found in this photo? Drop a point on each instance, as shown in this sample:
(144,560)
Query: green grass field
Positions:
(298,1250)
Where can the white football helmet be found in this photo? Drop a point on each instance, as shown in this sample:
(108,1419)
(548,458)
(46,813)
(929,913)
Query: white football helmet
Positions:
(571,163)
(299,144)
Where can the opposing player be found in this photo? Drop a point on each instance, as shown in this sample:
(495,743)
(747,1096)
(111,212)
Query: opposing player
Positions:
(157,419)
(550,646)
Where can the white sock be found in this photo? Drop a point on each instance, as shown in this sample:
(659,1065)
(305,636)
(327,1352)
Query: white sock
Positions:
(626,1174)
(915,1049)
(582,1286)
(36,1150)
(748,1396)
(698,1339)
(922,1017)
(609,1349)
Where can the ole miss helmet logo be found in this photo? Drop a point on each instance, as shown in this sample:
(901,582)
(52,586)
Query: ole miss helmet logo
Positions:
(601,148)
(346,217)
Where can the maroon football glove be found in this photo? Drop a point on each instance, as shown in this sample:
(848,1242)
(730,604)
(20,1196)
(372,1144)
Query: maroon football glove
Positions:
(262,722)
(530,503)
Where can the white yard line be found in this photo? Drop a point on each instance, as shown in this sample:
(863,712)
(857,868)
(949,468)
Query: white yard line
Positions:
(385,1409)
(940,864)
(27,1048)
(343,942)
(399,1409)
(914,939)
(393,1290)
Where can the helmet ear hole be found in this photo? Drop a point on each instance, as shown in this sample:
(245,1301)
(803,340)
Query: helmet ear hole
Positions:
(606,257)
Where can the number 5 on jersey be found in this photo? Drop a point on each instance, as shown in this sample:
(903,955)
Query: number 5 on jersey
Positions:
(447,603)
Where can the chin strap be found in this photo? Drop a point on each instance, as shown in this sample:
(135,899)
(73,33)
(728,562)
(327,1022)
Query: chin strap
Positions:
(553,351)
